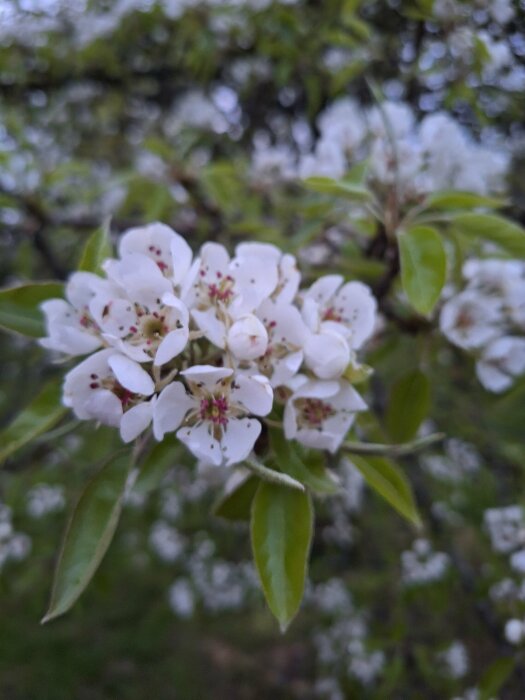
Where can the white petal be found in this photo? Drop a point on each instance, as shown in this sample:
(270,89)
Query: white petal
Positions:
(174,302)
(208,375)
(355,303)
(258,250)
(136,420)
(210,325)
(131,375)
(254,393)
(170,409)
(315,389)
(290,420)
(182,255)
(254,281)
(104,406)
(493,378)
(324,288)
(239,438)
(201,443)
(171,346)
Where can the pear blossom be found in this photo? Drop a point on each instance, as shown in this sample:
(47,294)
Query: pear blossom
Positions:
(287,335)
(153,314)
(219,289)
(168,250)
(501,362)
(488,319)
(143,330)
(71,328)
(110,388)
(348,309)
(319,414)
(470,320)
(214,410)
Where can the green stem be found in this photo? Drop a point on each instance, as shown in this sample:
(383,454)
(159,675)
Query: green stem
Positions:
(272,476)
(402,450)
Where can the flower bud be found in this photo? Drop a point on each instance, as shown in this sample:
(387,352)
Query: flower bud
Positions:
(247,338)
(327,354)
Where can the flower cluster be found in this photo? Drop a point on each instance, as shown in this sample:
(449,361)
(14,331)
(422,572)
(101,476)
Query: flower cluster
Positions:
(416,159)
(203,346)
(488,319)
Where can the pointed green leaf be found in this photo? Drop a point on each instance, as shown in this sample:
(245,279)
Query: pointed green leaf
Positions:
(347,188)
(237,504)
(304,466)
(451,199)
(88,535)
(408,406)
(281,532)
(495,677)
(390,483)
(19,307)
(490,227)
(96,249)
(423,266)
(39,416)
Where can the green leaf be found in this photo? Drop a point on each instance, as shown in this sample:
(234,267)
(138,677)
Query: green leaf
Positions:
(423,266)
(408,406)
(97,249)
(347,188)
(490,227)
(390,483)
(306,467)
(40,415)
(158,460)
(19,310)
(88,535)
(281,533)
(237,504)
(495,676)
(450,199)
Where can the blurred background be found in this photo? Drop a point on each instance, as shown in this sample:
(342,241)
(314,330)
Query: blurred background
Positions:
(207,115)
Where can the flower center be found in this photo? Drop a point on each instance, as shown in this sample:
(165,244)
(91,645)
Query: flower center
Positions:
(215,409)
(153,327)
(331,315)
(313,412)
(222,290)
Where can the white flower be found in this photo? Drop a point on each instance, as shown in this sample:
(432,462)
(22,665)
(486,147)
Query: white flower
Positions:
(111,388)
(289,276)
(287,334)
(165,247)
(514,631)
(142,326)
(218,289)
(247,338)
(391,118)
(502,360)
(343,122)
(320,413)
(470,320)
(70,325)
(349,310)
(214,412)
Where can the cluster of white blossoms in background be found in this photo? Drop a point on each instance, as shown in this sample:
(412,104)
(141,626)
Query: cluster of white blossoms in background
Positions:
(205,346)
(487,318)
(416,158)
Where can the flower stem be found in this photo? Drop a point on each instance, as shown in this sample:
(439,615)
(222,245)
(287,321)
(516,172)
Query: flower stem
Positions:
(402,450)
